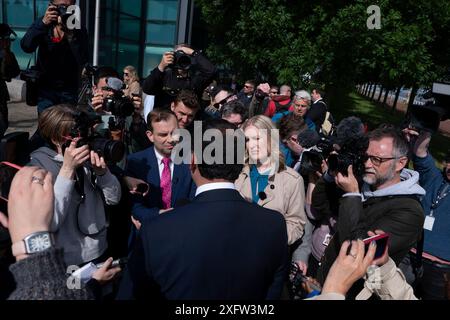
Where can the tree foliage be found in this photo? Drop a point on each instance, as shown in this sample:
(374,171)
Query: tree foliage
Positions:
(285,41)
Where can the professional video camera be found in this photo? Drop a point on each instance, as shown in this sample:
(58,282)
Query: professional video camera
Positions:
(112,151)
(429,116)
(181,60)
(118,104)
(352,152)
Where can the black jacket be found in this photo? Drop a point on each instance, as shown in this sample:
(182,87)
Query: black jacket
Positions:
(60,63)
(166,85)
(217,247)
(399,215)
(317,113)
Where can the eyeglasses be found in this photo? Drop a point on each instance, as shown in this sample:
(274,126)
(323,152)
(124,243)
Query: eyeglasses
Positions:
(248,87)
(126,74)
(379,160)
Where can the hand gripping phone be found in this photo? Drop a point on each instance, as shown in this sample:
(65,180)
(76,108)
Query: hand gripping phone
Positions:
(381,241)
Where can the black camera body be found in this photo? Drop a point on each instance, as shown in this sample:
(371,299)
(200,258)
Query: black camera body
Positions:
(352,152)
(181,60)
(119,105)
(312,157)
(110,150)
(429,116)
(260,95)
(62,12)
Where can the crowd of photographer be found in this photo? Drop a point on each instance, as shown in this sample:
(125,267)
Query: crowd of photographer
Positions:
(285,220)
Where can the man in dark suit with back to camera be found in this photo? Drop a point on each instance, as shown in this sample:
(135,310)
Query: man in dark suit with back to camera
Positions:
(217,247)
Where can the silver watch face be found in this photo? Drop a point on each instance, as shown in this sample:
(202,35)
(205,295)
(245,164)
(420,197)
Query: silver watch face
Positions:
(38,243)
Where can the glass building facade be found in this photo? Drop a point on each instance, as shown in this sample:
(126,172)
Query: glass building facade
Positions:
(132,32)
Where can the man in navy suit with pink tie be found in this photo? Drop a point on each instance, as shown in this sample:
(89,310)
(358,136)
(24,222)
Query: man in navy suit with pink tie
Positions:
(169,183)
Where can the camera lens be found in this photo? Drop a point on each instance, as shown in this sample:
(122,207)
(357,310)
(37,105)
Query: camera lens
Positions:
(112,151)
(184,62)
(125,107)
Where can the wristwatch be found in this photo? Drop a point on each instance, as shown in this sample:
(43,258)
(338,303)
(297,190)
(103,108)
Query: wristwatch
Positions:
(34,243)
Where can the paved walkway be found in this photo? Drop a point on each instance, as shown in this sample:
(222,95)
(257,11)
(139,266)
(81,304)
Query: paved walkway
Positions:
(22,118)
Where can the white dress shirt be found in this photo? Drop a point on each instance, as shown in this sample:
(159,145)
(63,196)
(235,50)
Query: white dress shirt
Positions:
(215,186)
(159,159)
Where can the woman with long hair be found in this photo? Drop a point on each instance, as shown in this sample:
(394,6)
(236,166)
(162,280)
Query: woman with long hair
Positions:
(267,181)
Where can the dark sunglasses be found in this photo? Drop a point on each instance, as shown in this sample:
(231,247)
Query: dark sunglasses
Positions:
(222,102)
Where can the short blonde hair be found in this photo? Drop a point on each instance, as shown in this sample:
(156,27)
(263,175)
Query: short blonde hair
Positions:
(276,156)
(56,122)
(133,73)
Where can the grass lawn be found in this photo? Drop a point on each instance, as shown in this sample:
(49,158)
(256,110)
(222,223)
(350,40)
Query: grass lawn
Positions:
(374,114)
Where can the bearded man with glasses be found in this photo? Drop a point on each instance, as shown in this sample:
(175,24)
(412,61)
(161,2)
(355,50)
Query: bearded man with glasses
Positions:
(387,200)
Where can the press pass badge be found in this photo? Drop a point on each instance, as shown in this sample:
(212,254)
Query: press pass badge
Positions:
(327,240)
(429,222)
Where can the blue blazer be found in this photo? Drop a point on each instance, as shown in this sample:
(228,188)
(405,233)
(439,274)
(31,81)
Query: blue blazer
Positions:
(143,165)
(217,247)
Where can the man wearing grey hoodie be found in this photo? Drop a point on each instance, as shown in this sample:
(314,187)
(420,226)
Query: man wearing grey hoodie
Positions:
(388,200)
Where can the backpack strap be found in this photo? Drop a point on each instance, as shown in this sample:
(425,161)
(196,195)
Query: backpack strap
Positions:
(280,107)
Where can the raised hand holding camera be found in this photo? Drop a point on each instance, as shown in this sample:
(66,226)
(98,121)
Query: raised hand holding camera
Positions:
(51,15)
(349,184)
(167,60)
(73,158)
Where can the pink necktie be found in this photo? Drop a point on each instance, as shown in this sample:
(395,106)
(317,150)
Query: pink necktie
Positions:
(166,184)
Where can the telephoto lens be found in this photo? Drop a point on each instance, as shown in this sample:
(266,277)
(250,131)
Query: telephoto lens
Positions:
(112,151)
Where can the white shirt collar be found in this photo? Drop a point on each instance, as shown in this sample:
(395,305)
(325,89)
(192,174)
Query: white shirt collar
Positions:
(318,100)
(215,186)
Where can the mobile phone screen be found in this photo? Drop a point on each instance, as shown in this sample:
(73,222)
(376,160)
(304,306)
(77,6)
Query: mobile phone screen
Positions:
(381,241)
(7,173)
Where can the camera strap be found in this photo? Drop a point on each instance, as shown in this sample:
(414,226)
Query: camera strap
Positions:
(79,187)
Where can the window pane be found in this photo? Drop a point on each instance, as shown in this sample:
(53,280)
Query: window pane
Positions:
(19,13)
(132,7)
(152,58)
(108,23)
(161,34)
(41,6)
(129,28)
(128,55)
(162,10)
(107,52)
